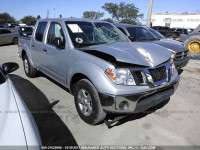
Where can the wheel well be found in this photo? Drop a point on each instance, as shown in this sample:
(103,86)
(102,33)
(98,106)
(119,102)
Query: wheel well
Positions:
(77,77)
(23,53)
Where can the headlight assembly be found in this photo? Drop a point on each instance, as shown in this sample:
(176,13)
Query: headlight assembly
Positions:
(121,76)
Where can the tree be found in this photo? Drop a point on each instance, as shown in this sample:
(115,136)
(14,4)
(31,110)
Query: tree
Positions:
(128,21)
(38,17)
(6,18)
(29,20)
(108,20)
(123,12)
(93,15)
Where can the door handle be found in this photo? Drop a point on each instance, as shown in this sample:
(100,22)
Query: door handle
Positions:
(44,50)
(33,45)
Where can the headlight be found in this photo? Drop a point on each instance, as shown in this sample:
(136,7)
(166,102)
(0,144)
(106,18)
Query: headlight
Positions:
(172,66)
(121,76)
(173,56)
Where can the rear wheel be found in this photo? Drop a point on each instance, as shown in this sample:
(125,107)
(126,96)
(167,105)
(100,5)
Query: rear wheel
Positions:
(88,103)
(30,71)
(15,40)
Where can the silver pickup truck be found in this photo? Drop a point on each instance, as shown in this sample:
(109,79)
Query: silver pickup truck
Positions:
(102,68)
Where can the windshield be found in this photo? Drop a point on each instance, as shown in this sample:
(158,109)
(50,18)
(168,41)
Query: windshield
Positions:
(87,33)
(157,34)
(141,33)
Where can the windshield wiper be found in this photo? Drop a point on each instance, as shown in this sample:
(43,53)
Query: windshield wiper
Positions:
(90,44)
(154,39)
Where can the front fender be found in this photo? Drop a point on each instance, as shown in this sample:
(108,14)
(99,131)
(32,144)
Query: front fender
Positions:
(94,73)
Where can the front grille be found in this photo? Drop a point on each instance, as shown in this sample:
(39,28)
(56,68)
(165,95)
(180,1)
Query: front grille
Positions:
(138,77)
(158,74)
(181,55)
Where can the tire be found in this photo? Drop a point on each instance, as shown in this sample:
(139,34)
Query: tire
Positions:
(15,40)
(193,44)
(29,70)
(87,98)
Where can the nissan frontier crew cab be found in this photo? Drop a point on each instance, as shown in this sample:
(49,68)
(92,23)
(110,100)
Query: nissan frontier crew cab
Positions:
(103,69)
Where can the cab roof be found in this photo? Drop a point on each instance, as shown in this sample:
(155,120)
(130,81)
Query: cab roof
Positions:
(70,19)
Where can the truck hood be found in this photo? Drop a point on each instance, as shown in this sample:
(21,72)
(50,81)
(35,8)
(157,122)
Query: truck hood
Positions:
(11,133)
(145,54)
(169,44)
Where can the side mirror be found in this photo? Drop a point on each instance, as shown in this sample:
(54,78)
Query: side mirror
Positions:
(131,38)
(57,42)
(9,67)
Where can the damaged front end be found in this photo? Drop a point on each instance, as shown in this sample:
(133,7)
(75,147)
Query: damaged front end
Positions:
(143,78)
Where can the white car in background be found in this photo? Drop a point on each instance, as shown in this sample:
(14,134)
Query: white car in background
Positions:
(17,127)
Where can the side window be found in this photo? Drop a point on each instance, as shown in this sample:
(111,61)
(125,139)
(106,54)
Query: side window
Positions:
(122,30)
(55,31)
(4,31)
(7,31)
(40,31)
(185,32)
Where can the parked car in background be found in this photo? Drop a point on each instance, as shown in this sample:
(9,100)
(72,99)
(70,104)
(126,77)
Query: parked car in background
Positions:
(17,127)
(23,31)
(167,32)
(163,38)
(180,30)
(8,37)
(1,26)
(10,26)
(142,34)
(101,67)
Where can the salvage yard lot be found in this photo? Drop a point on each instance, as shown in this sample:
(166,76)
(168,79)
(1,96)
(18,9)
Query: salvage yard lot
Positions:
(176,123)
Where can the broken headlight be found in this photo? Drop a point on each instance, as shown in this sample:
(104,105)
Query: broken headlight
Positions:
(121,76)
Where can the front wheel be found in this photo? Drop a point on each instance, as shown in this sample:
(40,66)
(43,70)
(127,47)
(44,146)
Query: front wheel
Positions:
(88,103)
(30,71)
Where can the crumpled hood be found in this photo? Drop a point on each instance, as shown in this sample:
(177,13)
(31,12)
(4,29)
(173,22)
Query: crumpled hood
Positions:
(146,54)
(171,45)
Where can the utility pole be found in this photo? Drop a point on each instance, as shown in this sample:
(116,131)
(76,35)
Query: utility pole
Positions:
(54,12)
(48,13)
(149,13)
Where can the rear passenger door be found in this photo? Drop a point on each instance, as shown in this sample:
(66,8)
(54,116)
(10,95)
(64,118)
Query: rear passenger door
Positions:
(55,58)
(37,45)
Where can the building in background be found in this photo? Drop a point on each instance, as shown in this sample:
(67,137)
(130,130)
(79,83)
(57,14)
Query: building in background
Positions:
(176,20)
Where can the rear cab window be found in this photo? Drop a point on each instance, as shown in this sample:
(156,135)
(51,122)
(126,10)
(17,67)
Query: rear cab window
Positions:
(40,31)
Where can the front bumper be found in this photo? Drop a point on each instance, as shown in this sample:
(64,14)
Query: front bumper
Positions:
(181,63)
(138,102)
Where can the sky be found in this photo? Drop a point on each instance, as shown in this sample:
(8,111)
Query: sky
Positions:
(75,8)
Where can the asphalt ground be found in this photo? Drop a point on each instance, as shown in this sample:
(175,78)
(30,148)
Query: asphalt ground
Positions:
(174,123)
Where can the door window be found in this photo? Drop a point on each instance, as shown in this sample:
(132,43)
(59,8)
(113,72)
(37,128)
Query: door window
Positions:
(40,31)
(5,31)
(55,31)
